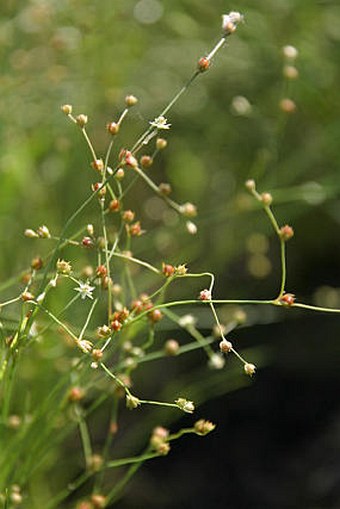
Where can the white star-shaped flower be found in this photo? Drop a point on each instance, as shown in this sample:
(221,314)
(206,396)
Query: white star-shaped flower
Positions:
(160,123)
(85,290)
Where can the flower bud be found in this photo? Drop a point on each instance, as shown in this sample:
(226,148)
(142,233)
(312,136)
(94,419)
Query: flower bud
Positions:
(203,427)
(216,361)
(135,229)
(116,325)
(155,315)
(76,394)
(290,72)
(98,501)
(287,299)
(95,462)
(37,263)
(205,295)
(171,347)
(87,242)
(168,270)
(67,109)
(98,165)
(30,234)
(250,185)
(191,227)
(132,402)
(185,405)
(90,229)
(130,100)
(113,128)
(290,52)
(43,232)
(164,188)
(266,199)
(249,369)
(287,105)
(63,267)
(161,143)
(225,346)
(26,296)
(97,354)
(203,64)
(146,161)
(81,120)
(114,205)
(189,209)
(120,174)
(286,232)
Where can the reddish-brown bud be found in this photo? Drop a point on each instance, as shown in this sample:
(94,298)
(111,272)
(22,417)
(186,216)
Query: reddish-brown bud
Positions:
(205,295)
(98,501)
(87,242)
(128,216)
(113,128)
(114,205)
(137,306)
(155,315)
(96,354)
(287,105)
(99,188)
(116,325)
(101,271)
(37,263)
(168,270)
(203,64)
(287,299)
(164,188)
(98,165)
(25,296)
(135,230)
(146,161)
(286,232)
(75,394)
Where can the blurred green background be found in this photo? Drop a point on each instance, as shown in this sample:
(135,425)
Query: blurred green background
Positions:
(92,54)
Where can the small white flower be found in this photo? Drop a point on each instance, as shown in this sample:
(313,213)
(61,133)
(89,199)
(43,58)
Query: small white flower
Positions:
(84,345)
(216,361)
(187,320)
(230,21)
(185,405)
(160,123)
(191,227)
(85,290)
(290,52)
(43,232)
(241,106)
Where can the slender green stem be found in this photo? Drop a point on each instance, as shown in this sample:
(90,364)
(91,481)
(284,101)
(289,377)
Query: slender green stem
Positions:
(71,487)
(283,267)
(129,461)
(315,308)
(11,301)
(85,438)
(156,189)
(136,463)
(87,321)
(136,260)
(88,141)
